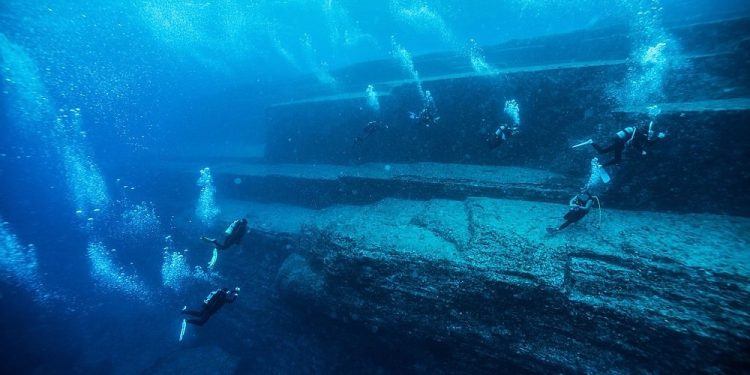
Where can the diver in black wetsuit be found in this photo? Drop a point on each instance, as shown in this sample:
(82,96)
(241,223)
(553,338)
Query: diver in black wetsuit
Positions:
(580,205)
(370,129)
(213,302)
(428,116)
(234,233)
(637,137)
(501,135)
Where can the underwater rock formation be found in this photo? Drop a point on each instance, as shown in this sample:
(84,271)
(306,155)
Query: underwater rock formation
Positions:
(566,96)
(482,287)
(322,185)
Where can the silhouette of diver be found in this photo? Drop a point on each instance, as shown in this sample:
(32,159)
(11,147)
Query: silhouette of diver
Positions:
(426,117)
(370,129)
(639,138)
(501,135)
(579,206)
(213,302)
(234,234)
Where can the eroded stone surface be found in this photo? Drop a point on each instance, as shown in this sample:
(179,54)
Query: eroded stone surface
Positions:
(482,277)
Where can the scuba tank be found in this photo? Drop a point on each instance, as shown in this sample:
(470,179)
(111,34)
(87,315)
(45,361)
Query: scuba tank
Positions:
(230,228)
(210,295)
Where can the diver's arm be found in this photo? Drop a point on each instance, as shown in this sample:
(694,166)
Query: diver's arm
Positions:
(572,202)
(589,203)
(231,297)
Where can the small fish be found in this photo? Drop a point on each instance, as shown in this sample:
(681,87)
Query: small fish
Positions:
(97,210)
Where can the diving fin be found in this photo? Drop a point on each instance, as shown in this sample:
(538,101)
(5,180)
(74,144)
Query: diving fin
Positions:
(182,330)
(587,142)
(604,175)
(214,257)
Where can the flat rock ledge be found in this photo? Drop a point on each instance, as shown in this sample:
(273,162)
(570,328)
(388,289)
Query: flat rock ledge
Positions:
(481,279)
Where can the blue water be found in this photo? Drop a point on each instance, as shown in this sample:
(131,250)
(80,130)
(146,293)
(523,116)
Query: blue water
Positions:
(98,241)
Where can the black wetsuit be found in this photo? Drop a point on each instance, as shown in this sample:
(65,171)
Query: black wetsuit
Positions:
(630,136)
(213,302)
(427,116)
(239,228)
(577,212)
(500,136)
(370,129)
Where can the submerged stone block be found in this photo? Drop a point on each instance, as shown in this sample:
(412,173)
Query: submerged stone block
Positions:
(639,292)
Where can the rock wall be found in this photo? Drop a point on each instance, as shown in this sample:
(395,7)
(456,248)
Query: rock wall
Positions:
(565,96)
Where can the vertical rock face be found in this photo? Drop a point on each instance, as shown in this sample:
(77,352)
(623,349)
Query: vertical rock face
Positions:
(565,96)
(480,285)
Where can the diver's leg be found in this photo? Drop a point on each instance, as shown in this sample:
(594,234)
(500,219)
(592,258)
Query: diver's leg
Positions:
(202,317)
(611,162)
(212,241)
(602,150)
(618,153)
(565,224)
(223,246)
(200,312)
(192,312)
(198,322)
(617,147)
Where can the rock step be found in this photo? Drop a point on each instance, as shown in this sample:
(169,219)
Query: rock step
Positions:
(721,105)
(385,88)
(711,41)
(481,276)
(320,185)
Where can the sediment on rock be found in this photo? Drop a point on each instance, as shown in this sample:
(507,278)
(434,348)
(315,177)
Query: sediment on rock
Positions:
(645,288)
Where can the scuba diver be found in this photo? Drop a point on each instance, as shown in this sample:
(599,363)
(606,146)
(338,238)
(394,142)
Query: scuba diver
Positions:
(579,206)
(234,234)
(428,115)
(501,135)
(370,129)
(213,302)
(638,137)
